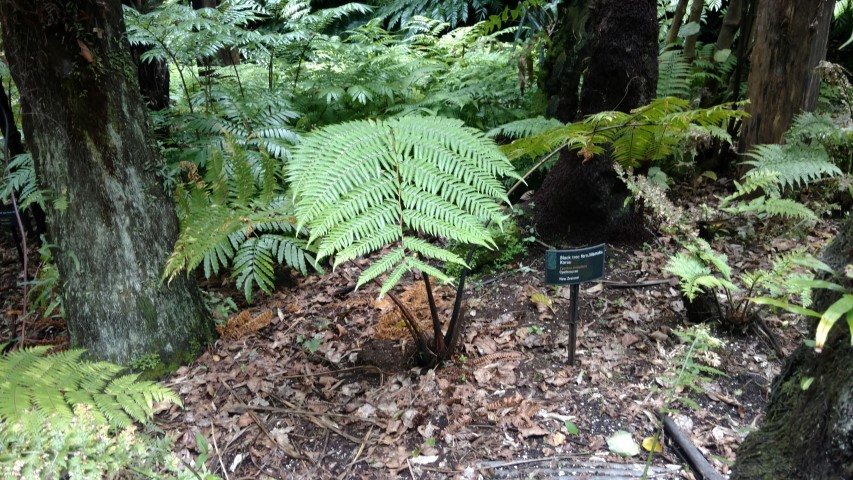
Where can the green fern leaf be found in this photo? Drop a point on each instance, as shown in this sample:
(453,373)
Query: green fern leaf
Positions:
(362,186)
(796,165)
(52,384)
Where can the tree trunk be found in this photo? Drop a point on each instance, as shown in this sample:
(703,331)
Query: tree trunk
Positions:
(559,80)
(809,433)
(695,17)
(731,24)
(583,202)
(790,39)
(86,126)
(677,19)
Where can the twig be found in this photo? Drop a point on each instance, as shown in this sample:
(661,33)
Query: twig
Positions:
(348,468)
(533,460)
(410,469)
(292,411)
(288,450)
(216,449)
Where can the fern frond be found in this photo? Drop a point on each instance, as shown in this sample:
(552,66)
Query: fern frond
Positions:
(674,75)
(694,274)
(31,380)
(524,128)
(362,186)
(796,165)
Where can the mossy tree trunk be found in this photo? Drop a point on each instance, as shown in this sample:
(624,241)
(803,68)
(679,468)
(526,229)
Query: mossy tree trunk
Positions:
(87,128)
(809,433)
(584,202)
(559,80)
(790,40)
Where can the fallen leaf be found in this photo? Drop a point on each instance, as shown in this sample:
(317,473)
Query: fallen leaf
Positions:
(621,443)
(629,339)
(650,444)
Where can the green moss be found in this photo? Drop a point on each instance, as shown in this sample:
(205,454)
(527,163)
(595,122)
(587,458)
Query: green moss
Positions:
(148,311)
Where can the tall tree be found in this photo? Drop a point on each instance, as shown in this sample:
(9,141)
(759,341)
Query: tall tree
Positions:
(584,200)
(86,126)
(790,40)
(808,432)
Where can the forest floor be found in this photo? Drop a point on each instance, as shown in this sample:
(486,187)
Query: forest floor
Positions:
(316,382)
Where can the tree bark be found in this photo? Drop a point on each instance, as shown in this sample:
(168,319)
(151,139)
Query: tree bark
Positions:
(790,39)
(690,42)
(809,433)
(584,202)
(731,24)
(559,80)
(677,19)
(87,128)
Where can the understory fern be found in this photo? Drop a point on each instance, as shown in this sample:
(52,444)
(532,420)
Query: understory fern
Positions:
(237,215)
(810,152)
(759,193)
(365,185)
(33,381)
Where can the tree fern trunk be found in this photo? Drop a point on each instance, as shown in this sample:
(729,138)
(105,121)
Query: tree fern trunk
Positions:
(559,80)
(677,19)
(583,202)
(86,127)
(695,17)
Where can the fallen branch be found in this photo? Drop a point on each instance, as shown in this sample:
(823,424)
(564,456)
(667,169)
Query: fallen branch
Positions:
(693,456)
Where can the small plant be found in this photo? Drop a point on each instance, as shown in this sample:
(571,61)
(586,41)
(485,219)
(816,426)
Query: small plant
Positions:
(310,344)
(44,288)
(703,270)
(692,362)
(219,306)
(841,308)
(363,186)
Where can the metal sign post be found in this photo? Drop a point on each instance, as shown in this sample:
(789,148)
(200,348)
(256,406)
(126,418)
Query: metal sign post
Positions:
(573,267)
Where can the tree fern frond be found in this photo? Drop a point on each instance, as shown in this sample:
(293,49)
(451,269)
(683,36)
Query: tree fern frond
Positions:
(524,127)
(362,186)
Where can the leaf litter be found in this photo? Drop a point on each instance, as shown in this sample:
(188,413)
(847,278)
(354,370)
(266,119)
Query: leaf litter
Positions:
(316,381)
(352,405)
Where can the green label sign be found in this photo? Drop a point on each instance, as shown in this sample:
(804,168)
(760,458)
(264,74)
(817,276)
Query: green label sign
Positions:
(571,267)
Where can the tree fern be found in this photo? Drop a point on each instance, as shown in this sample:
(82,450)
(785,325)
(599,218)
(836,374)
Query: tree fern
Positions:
(454,12)
(646,134)
(31,380)
(362,186)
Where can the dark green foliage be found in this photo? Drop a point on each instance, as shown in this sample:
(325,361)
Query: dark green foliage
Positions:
(454,12)
(33,381)
(239,215)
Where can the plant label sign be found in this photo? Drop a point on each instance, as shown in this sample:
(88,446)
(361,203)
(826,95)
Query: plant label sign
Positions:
(573,267)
